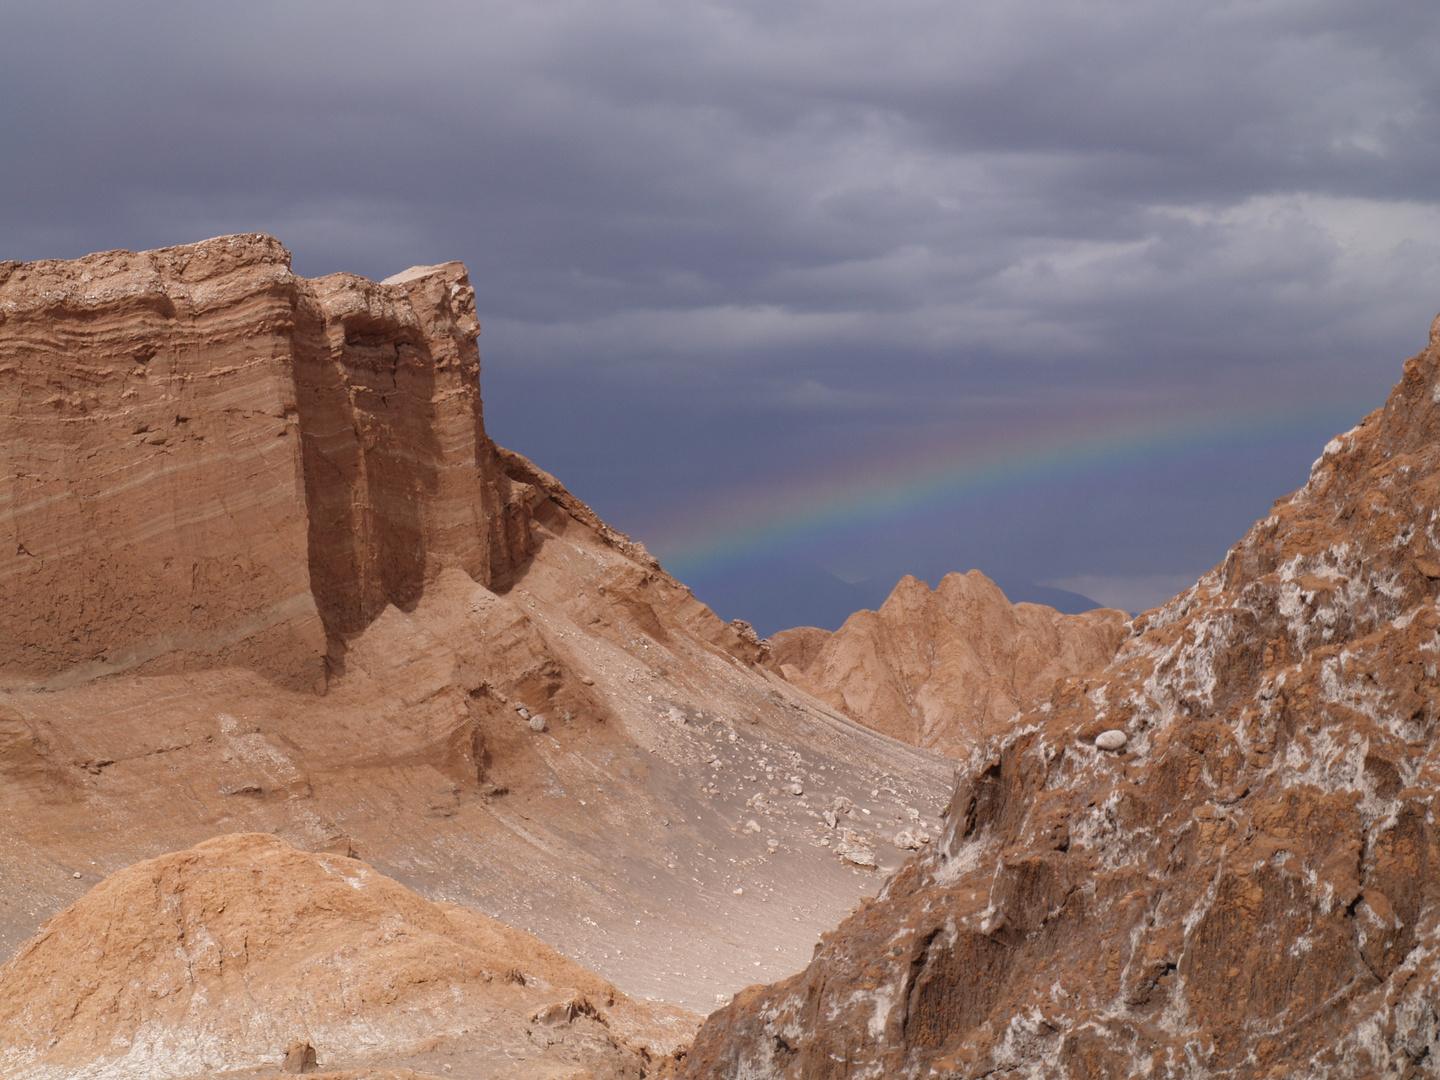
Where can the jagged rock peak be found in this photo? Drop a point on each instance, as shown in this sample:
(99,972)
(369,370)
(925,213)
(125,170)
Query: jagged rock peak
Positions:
(1246,885)
(949,667)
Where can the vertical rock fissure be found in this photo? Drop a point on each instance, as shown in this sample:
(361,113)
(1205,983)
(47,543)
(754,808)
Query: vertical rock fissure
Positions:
(365,392)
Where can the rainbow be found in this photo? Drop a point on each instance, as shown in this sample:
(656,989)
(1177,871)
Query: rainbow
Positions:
(792,515)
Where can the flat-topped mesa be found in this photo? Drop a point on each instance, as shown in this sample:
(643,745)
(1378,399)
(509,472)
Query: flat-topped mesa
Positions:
(211,460)
(220,480)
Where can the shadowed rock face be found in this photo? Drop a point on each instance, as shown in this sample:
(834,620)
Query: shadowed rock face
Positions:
(1247,888)
(948,668)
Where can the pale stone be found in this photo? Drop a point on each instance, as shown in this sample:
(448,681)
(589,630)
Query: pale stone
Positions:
(1113,739)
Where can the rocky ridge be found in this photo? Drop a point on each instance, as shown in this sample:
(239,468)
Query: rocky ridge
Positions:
(946,668)
(1244,886)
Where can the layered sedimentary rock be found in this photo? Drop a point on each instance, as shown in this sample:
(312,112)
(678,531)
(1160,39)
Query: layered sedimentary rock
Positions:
(210,459)
(233,952)
(949,668)
(1244,885)
(228,487)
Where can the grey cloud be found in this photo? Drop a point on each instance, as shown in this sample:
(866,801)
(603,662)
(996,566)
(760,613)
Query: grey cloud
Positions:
(774,236)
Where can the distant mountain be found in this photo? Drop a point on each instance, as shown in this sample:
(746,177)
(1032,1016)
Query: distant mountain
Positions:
(949,667)
(1063,601)
(784,593)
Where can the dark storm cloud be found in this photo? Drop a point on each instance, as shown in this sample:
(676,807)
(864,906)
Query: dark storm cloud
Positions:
(719,239)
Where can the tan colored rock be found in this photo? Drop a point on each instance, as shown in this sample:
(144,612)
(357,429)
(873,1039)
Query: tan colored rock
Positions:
(299,1058)
(948,668)
(189,582)
(1111,739)
(797,649)
(1251,889)
(216,461)
(209,959)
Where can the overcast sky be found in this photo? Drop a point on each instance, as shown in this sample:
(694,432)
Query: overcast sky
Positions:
(733,260)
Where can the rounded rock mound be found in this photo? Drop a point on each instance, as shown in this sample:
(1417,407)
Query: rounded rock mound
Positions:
(222,956)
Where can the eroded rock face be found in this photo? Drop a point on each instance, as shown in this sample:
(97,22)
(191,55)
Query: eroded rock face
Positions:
(1246,888)
(214,461)
(245,952)
(948,668)
(230,487)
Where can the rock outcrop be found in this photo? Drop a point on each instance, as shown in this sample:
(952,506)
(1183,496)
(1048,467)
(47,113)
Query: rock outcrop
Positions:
(212,460)
(227,488)
(244,952)
(1248,887)
(949,668)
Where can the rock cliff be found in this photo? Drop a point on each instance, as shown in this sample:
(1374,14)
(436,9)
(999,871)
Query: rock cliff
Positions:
(211,460)
(1244,885)
(262,571)
(949,668)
